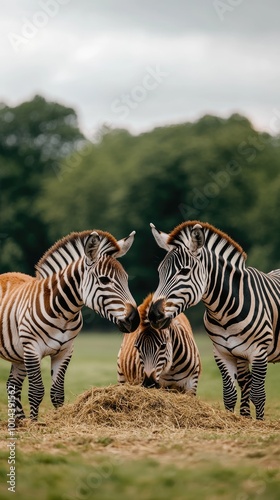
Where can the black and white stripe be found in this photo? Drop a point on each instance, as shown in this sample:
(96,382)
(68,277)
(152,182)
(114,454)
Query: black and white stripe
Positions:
(160,357)
(41,316)
(242,306)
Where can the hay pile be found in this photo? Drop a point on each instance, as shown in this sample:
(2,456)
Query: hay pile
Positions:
(133,407)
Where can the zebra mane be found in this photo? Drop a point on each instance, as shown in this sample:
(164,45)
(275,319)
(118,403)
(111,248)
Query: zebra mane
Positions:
(212,230)
(143,310)
(69,249)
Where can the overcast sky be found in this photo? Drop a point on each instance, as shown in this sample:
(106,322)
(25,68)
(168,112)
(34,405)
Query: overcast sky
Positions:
(143,63)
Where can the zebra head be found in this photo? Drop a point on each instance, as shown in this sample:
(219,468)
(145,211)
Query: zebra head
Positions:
(182,276)
(155,354)
(105,282)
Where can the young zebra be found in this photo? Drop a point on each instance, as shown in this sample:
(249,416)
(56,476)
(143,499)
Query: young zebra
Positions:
(242,305)
(160,357)
(41,316)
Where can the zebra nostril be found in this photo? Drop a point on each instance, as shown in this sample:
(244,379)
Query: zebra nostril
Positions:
(131,321)
(133,318)
(152,315)
(149,381)
(156,311)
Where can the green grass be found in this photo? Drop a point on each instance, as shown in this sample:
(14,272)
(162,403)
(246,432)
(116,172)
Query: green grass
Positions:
(56,478)
(110,480)
(93,471)
(94,363)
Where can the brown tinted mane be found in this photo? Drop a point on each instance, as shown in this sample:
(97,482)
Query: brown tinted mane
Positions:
(115,263)
(212,229)
(143,309)
(71,238)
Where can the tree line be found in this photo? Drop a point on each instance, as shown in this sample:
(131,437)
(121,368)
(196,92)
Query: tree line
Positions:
(54,181)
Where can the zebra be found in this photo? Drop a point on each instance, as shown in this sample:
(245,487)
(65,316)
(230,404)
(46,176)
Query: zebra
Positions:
(160,357)
(41,316)
(241,306)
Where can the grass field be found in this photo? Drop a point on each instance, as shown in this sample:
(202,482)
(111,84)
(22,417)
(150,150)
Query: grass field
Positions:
(85,462)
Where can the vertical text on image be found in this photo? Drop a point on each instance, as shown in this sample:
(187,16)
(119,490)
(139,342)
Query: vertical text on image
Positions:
(11,475)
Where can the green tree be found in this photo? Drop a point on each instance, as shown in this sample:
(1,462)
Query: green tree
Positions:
(34,137)
(216,170)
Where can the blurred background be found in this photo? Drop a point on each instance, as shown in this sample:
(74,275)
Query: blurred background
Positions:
(115,114)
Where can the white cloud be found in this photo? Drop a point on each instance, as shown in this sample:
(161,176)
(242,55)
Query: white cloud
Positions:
(92,54)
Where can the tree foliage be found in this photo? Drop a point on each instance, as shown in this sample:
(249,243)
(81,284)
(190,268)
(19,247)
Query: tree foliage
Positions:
(34,137)
(216,170)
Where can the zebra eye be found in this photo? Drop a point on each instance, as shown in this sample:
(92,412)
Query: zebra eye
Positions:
(104,280)
(163,345)
(185,271)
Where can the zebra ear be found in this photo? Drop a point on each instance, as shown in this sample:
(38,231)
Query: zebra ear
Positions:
(125,245)
(197,238)
(161,238)
(92,245)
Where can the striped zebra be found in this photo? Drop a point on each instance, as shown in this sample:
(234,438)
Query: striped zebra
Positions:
(160,357)
(242,306)
(41,316)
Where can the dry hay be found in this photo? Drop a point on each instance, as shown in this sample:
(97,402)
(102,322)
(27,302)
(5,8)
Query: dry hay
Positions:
(133,407)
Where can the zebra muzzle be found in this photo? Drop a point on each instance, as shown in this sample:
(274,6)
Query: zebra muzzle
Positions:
(150,382)
(157,315)
(131,321)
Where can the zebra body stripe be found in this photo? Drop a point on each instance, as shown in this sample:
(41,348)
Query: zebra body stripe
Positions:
(41,316)
(166,358)
(242,305)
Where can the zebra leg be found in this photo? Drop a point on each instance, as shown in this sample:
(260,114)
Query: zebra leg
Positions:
(121,377)
(228,370)
(36,389)
(14,386)
(59,364)
(244,381)
(257,393)
(193,384)
(194,379)
(187,385)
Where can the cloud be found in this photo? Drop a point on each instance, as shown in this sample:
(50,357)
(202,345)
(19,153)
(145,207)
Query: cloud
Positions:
(91,55)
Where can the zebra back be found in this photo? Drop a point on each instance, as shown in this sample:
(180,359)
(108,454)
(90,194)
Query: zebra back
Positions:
(10,280)
(186,359)
(242,316)
(186,365)
(41,316)
(129,367)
